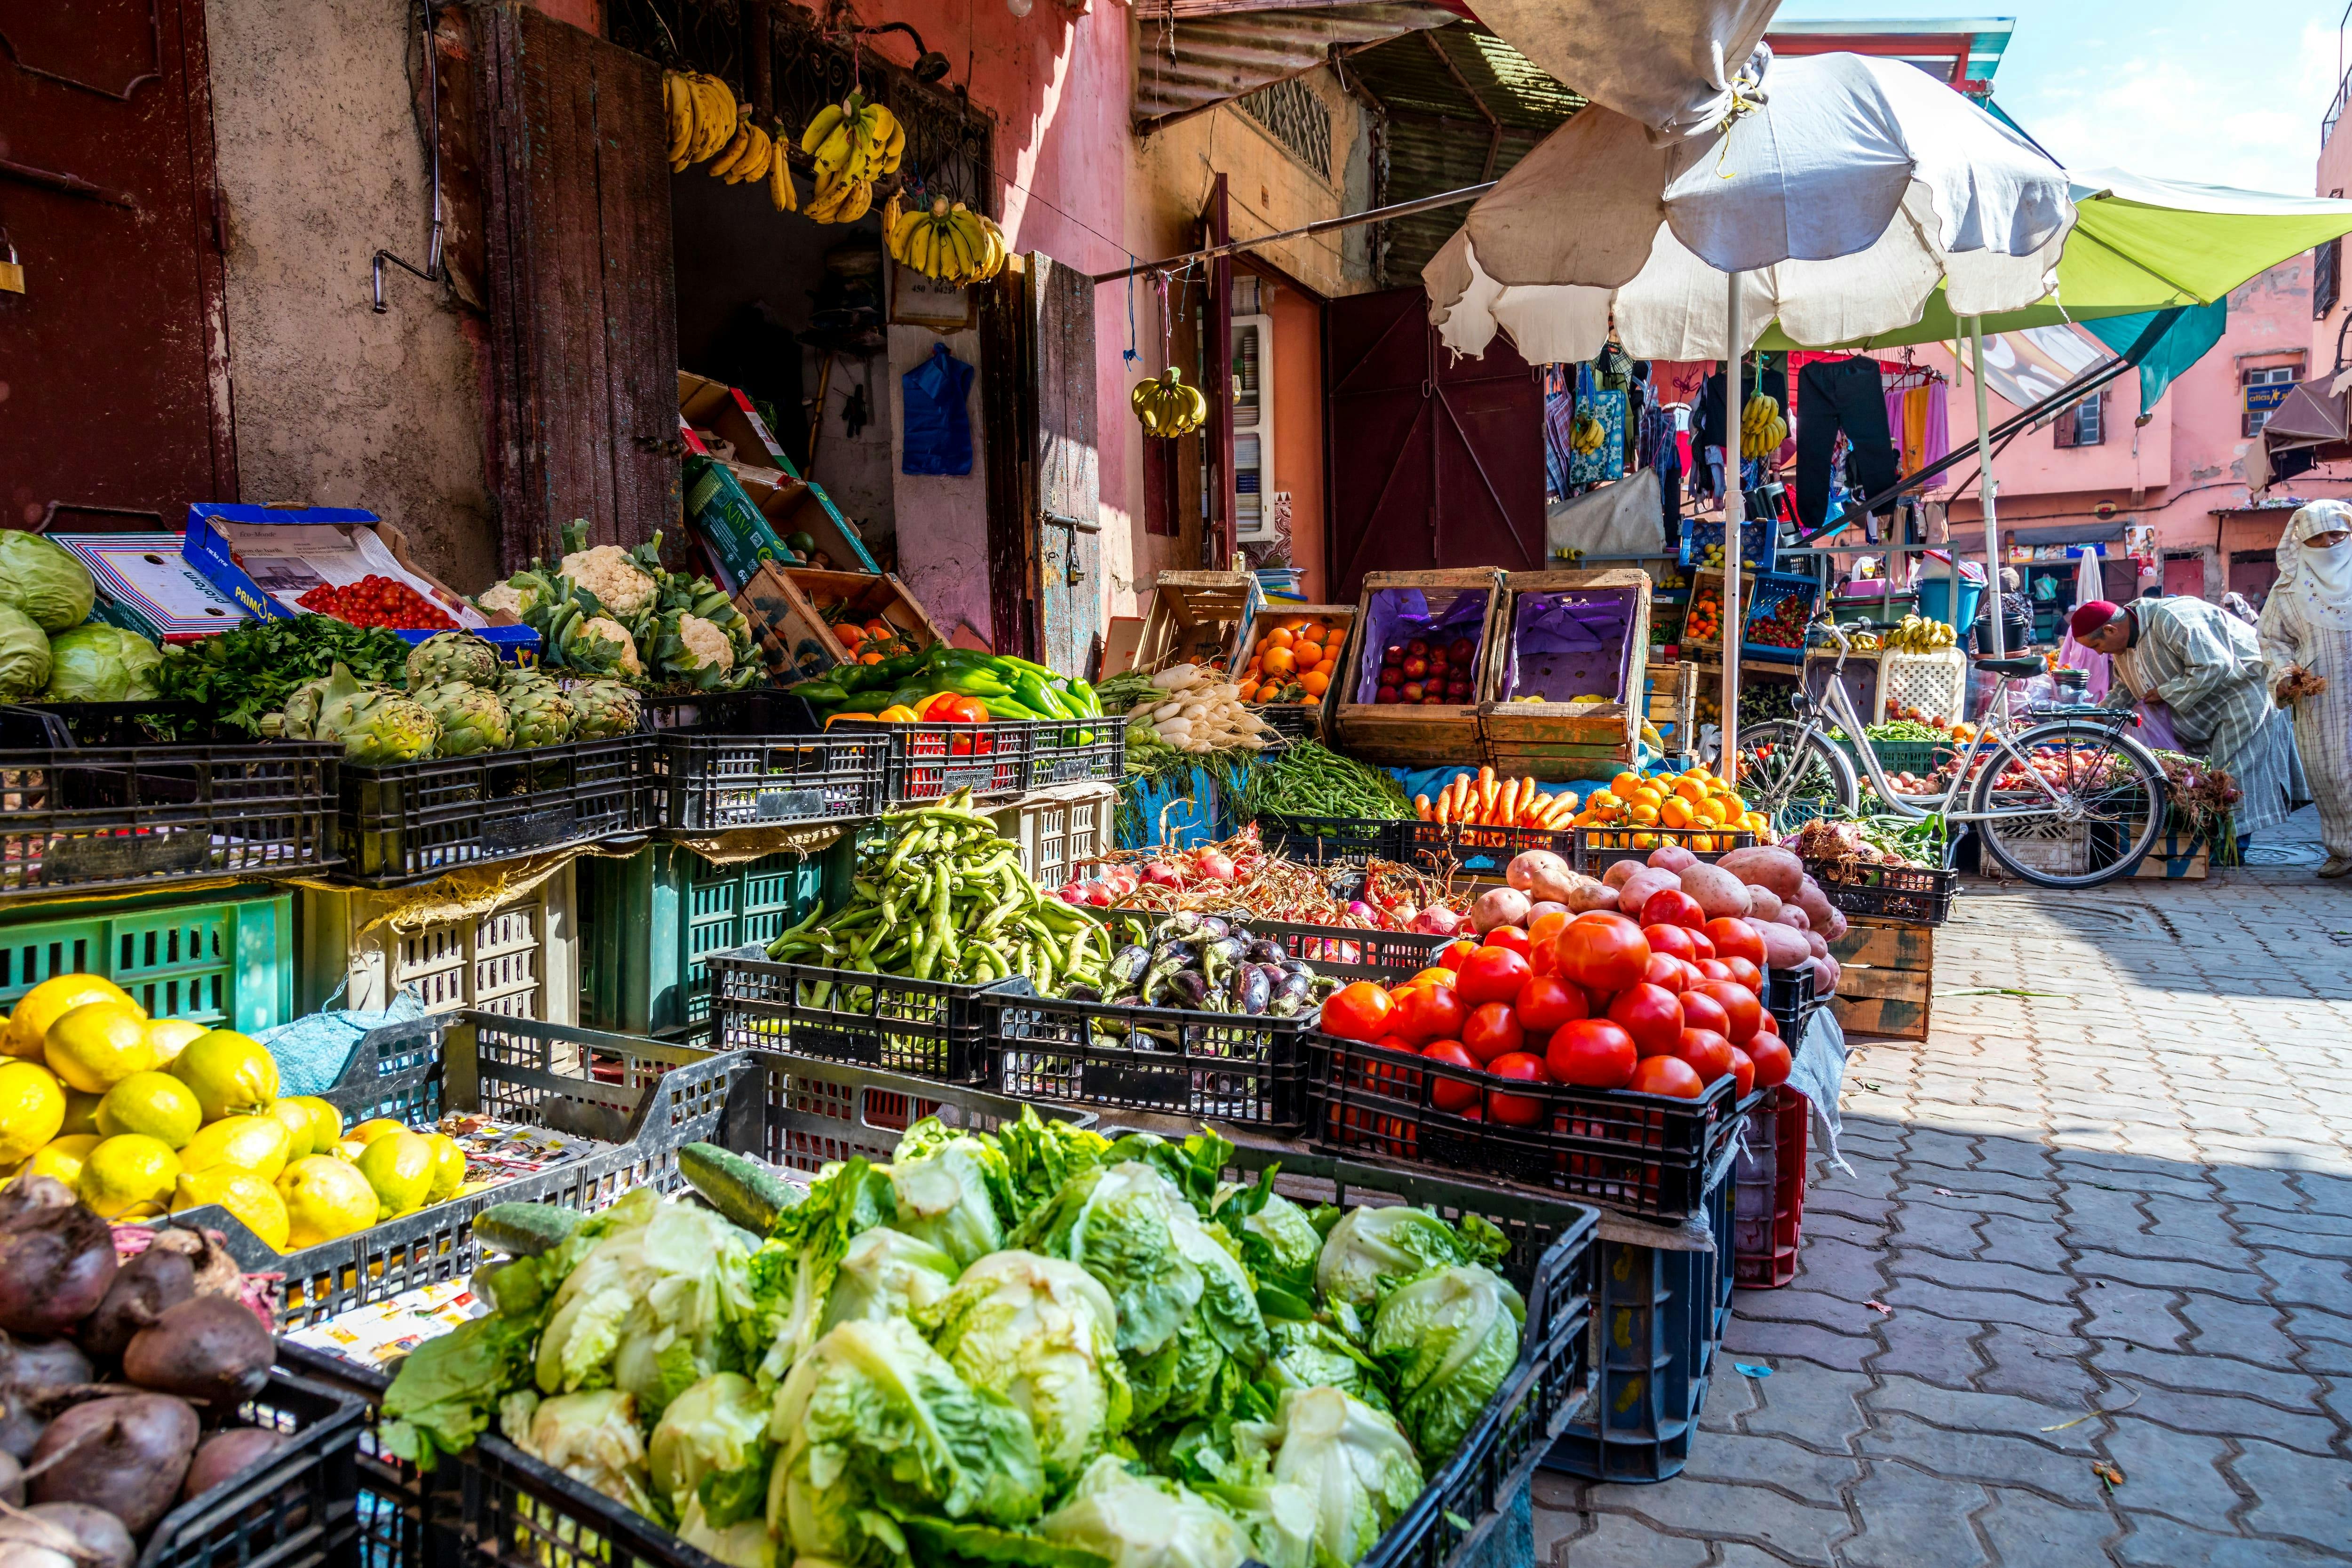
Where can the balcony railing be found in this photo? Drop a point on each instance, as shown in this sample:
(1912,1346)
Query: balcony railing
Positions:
(2336,110)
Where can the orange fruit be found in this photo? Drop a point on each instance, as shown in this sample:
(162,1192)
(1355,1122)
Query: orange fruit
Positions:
(1315,682)
(1277,660)
(1278,638)
(1645,795)
(1248,692)
(1691,790)
(1625,783)
(1647,815)
(1306,654)
(1310,632)
(1309,701)
(1674,813)
(1712,810)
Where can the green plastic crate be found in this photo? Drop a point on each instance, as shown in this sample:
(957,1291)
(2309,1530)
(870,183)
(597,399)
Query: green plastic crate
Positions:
(226,961)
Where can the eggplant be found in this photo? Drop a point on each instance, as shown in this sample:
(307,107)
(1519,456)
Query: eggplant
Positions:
(1190,987)
(1128,964)
(1291,966)
(1184,922)
(1323,985)
(1253,992)
(1266,950)
(1083,993)
(1174,955)
(1274,972)
(1215,928)
(1296,986)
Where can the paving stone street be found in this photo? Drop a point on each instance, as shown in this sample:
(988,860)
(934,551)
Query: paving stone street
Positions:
(2117,1177)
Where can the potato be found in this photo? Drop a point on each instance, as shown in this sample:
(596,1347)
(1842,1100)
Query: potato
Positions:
(1498,907)
(1784,946)
(1792,915)
(1587,895)
(1813,902)
(1825,976)
(1618,870)
(1836,927)
(1532,867)
(1719,893)
(1821,949)
(1672,857)
(1763,903)
(1767,867)
(1642,886)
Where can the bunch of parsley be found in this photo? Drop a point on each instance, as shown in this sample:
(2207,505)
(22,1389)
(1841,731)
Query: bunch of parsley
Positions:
(238,675)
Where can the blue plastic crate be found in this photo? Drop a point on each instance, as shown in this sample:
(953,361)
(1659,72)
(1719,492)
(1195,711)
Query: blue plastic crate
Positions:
(1757,538)
(1771,589)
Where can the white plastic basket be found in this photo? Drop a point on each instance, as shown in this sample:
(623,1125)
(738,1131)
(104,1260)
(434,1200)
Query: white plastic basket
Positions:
(1935,683)
(1059,828)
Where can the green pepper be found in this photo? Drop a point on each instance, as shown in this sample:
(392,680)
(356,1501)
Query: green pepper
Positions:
(826,693)
(1032,690)
(1078,695)
(980,683)
(875,677)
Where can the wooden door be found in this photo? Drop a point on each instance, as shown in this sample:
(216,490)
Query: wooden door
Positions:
(583,314)
(1434,462)
(114,360)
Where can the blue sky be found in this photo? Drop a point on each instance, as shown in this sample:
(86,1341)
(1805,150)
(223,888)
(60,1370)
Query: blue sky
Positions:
(2229,93)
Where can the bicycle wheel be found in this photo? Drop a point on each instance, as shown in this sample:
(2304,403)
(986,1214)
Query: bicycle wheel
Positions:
(1793,775)
(2103,806)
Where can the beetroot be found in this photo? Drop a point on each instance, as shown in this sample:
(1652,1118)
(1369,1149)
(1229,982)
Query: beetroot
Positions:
(127,1456)
(56,1258)
(226,1455)
(208,1348)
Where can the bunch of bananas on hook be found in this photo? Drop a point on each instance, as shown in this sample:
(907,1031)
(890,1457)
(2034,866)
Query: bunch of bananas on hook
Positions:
(707,122)
(1762,427)
(1167,406)
(946,240)
(1586,435)
(853,142)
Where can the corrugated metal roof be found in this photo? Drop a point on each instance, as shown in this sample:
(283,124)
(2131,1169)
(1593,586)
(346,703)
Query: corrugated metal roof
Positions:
(1223,57)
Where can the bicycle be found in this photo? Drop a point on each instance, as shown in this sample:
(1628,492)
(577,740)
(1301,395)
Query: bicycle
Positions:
(2071,800)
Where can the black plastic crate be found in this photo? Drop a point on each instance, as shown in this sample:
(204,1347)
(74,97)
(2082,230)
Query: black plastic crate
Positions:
(83,817)
(1289,722)
(1595,849)
(1480,854)
(408,821)
(1076,751)
(1250,1070)
(1919,894)
(1330,840)
(711,780)
(1645,1154)
(811,1114)
(298,1509)
(929,763)
(1789,997)
(1658,1316)
(395,1074)
(929,1028)
(1358,954)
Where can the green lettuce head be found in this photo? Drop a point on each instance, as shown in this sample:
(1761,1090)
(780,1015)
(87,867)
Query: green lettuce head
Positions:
(1351,1458)
(885,1273)
(1451,1336)
(99,663)
(953,1190)
(23,656)
(713,1435)
(1117,1222)
(1312,1355)
(1279,1243)
(591,1438)
(1043,1332)
(793,1272)
(1371,1250)
(44,582)
(1144,1521)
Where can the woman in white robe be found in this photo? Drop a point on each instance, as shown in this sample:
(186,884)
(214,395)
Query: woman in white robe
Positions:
(2307,624)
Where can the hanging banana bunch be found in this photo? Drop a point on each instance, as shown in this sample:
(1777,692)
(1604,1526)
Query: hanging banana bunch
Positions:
(1167,407)
(750,155)
(948,241)
(704,117)
(1761,428)
(854,143)
(1586,435)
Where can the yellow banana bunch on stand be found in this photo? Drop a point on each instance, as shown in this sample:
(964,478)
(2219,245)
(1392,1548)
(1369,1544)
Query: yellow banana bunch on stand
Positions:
(1917,635)
(1167,406)
(703,117)
(946,240)
(1762,427)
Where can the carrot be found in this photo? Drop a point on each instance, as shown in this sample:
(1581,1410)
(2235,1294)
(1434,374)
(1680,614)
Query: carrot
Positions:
(1487,789)
(1506,803)
(1444,809)
(1421,805)
(1457,794)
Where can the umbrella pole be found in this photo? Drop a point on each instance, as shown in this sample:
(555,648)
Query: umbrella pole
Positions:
(1985,499)
(1734,613)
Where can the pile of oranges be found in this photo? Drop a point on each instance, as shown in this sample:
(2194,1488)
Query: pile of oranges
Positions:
(1294,662)
(1695,799)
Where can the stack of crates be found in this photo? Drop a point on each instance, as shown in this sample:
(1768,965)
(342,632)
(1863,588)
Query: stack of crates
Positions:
(226,960)
(520,959)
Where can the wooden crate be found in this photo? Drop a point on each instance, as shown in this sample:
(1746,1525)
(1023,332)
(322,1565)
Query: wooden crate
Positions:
(1196,617)
(1271,616)
(1886,976)
(1554,742)
(782,606)
(2177,857)
(1700,583)
(1391,735)
(1670,703)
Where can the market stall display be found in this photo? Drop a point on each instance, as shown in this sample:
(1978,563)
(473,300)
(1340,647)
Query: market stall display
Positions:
(1563,700)
(603,610)
(1449,612)
(1243,875)
(1289,661)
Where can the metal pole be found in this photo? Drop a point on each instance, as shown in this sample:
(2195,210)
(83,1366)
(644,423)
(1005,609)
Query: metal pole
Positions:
(1733,516)
(1985,489)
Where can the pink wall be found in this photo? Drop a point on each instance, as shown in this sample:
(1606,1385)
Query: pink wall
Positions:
(2333,178)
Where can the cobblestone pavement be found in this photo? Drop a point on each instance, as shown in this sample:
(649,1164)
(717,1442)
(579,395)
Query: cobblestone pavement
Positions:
(2130,1191)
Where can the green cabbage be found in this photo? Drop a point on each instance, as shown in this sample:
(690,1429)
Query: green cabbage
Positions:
(1451,1336)
(99,663)
(24,656)
(43,580)
(1144,1521)
(953,1190)
(1043,1332)
(1370,1250)
(1351,1458)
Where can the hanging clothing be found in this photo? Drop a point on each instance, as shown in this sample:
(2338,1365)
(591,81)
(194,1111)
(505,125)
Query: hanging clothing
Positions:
(937,422)
(1935,430)
(2307,621)
(1559,423)
(1834,397)
(2207,669)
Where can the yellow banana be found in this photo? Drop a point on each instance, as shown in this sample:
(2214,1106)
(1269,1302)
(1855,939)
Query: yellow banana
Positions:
(821,127)
(754,165)
(720,122)
(736,146)
(678,110)
(894,150)
(891,213)
(780,183)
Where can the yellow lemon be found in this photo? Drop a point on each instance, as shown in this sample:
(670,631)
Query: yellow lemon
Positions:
(400,1167)
(367,1132)
(28,1025)
(170,1036)
(61,1158)
(81,1113)
(325,1198)
(154,1103)
(255,1143)
(448,1167)
(231,1074)
(32,1108)
(130,1176)
(302,1132)
(348,1151)
(244,1193)
(326,1122)
(98,1044)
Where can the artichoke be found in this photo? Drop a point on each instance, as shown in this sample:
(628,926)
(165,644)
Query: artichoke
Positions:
(541,713)
(606,709)
(298,719)
(472,719)
(446,657)
(376,724)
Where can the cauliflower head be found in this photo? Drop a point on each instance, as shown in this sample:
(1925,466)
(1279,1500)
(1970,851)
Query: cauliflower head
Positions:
(516,602)
(607,571)
(603,629)
(706,643)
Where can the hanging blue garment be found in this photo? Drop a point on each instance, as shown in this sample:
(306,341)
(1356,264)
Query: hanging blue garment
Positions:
(938,426)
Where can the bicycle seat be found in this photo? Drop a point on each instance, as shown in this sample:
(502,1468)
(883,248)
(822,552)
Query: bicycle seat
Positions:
(2018,666)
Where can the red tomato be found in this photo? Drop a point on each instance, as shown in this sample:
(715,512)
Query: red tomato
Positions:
(1673,907)
(1701,1011)
(1704,942)
(1691,974)
(1666,971)
(1545,1003)
(1517,1109)
(1511,937)
(1456,954)
(1747,974)
(1708,1053)
(1451,1094)
(1357,1012)
(1592,1053)
(1714,968)
(1772,1060)
(1426,1013)
(1438,976)
(1492,975)
(1651,1015)
(1735,939)
(1766,1023)
(1739,1005)
(1601,952)
(1668,1076)
(1743,1073)
(1493,1030)
(1673,940)
(1540,932)
(1396,1043)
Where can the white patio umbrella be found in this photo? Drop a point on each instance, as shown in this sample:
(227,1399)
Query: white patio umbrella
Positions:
(1841,195)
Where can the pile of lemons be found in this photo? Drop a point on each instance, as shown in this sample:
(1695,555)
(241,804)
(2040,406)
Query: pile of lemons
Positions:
(143,1116)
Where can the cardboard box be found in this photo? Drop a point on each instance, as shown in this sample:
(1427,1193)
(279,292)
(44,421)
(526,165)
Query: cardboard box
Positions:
(146,585)
(794,637)
(795,506)
(728,413)
(265,558)
(725,519)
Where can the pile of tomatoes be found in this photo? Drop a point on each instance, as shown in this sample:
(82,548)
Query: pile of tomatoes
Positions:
(1666,1007)
(375,601)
